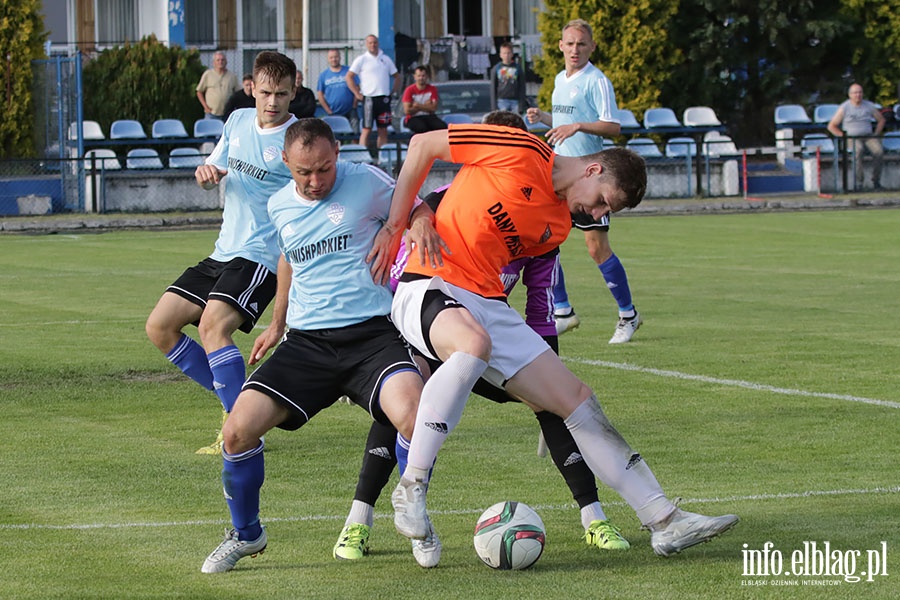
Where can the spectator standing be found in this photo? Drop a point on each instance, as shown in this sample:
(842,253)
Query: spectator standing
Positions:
(375,70)
(508,81)
(334,95)
(243,98)
(216,86)
(854,118)
(304,103)
(420,101)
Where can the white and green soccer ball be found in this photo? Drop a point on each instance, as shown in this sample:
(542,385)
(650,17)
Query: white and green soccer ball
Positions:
(509,536)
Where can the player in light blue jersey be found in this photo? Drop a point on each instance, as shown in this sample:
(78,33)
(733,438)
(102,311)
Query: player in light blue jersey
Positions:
(584,106)
(334,302)
(231,288)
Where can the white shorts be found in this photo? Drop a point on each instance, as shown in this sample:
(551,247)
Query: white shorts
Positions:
(514,344)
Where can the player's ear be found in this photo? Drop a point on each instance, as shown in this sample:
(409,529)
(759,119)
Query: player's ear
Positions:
(593,169)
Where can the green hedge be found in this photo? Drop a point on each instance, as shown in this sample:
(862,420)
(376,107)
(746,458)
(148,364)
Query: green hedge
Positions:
(21,40)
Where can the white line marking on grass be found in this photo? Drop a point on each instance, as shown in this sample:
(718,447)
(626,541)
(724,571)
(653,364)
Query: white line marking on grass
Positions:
(732,382)
(467,511)
(73,322)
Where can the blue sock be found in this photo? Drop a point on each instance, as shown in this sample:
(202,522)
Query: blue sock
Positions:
(242,478)
(401,451)
(617,282)
(560,296)
(228,372)
(190,357)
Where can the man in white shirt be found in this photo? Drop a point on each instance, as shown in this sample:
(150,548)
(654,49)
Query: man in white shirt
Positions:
(375,70)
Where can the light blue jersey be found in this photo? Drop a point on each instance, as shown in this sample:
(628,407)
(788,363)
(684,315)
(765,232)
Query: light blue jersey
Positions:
(585,97)
(252,157)
(326,242)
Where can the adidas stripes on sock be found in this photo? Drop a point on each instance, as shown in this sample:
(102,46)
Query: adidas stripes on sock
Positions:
(190,357)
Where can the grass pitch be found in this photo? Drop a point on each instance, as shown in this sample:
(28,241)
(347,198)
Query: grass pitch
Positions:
(764,382)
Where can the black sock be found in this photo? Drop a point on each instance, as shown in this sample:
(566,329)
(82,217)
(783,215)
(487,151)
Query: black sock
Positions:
(568,459)
(377,464)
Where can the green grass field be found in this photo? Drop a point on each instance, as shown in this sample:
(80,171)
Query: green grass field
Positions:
(764,382)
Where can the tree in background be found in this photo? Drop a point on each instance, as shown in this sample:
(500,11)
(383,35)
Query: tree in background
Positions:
(144,81)
(633,46)
(877,55)
(21,41)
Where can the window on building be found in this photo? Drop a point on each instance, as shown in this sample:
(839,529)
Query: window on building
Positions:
(200,23)
(117,22)
(408,17)
(464,17)
(525,15)
(330,21)
(259,21)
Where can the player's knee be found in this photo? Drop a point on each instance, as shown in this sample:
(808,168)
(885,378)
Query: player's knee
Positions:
(236,439)
(478,343)
(160,335)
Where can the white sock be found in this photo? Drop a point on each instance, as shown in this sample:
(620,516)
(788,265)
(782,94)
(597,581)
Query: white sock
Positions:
(614,462)
(362,513)
(590,513)
(440,409)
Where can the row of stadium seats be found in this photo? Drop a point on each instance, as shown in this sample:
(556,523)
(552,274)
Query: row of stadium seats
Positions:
(144,158)
(128,129)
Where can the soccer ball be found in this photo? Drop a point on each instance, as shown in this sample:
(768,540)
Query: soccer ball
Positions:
(509,535)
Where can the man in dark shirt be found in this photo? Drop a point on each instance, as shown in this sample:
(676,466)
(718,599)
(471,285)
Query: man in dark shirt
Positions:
(304,103)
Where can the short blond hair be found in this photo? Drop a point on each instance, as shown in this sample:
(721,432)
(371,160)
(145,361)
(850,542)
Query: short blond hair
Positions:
(579,24)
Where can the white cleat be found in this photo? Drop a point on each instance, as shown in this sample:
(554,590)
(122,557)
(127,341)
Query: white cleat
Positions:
(427,552)
(566,320)
(232,550)
(685,529)
(410,516)
(625,329)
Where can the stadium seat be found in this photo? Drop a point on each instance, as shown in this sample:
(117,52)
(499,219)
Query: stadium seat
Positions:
(387,155)
(811,141)
(700,116)
(791,113)
(681,146)
(891,141)
(354,153)
(104,158)
(168,128)
(126,129)
(461,118)
(644,146)
(185,158)
(340,125)
(90,129)
(143,158)
(660,117)
(211,128)
(823,112)
(607,143)
(626,118)
(718,144)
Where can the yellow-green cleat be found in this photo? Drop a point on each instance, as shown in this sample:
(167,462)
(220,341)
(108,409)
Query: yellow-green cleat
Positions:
(605,536)
(215,449)
(353,542)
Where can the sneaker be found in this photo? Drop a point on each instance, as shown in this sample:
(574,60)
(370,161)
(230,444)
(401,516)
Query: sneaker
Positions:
(566,320)
(685,529)
(427,552)
(353,543)
(232,550)
(605,536)
(410,517)
(215,449)
(625,329)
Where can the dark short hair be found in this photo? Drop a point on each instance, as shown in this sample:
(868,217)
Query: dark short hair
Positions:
(504,117)
(627,168)
(506,45)
(274,65)
(307,131)
(247,76)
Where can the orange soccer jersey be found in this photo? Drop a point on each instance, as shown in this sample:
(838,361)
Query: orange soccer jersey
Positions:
(500,207)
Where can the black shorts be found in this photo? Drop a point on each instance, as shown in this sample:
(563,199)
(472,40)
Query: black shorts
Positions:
(586,222)
(377,111)
(244,284)
(310,370)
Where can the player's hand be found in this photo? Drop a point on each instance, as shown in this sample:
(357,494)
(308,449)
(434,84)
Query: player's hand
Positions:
(558,134)
(264,342)
(208,176)
(424,238)
(533,114)
(383,253)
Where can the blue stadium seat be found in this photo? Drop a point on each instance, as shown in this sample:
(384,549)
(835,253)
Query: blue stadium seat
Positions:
(891,141)
(718,144)
(626,118)
(791,113)
(823,112)
(700,116)
(644,146)
(211,128)
(168,128)
(387,155)
(461,118)
(340,125)
(143,158)
(185,158)
(105,159)
(681,146)
(90,129)
(126,129)
(354,153)
(811,141)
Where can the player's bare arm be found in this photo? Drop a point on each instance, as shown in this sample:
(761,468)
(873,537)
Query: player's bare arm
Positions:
(208,176)
(598,128)
(275,331)
(423,237)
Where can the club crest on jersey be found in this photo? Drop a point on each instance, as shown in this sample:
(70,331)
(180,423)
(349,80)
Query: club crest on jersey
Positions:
(574,92)
(271,153)
(335,213)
